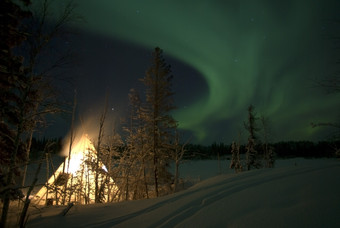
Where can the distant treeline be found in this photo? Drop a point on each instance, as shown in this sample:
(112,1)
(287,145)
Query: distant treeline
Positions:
(288,149)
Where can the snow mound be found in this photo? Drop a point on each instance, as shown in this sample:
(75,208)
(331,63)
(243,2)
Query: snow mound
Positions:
(306,194)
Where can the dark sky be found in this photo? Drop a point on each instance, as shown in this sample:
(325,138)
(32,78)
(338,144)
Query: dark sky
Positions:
(225,55)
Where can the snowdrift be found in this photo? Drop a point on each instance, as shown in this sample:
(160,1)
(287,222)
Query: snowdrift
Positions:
(302,194)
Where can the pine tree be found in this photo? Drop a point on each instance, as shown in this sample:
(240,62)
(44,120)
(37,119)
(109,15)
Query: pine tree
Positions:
(235,159)
(252,153)
(159,123)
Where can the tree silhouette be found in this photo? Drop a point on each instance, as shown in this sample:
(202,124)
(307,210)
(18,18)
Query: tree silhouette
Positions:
(12,84)
(26,94)
(159,123)
(252,153)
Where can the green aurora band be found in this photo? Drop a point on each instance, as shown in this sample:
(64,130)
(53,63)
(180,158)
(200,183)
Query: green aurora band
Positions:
(265,53)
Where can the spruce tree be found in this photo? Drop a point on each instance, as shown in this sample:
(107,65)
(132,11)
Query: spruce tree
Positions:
(252,153)
(159,124)
(235,159)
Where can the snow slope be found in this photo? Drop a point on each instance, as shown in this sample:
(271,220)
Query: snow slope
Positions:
(298,193)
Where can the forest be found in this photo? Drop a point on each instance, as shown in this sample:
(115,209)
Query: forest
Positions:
(104,167)
(284,149)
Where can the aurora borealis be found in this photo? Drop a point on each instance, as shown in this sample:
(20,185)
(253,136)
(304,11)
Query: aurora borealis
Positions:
(265,53)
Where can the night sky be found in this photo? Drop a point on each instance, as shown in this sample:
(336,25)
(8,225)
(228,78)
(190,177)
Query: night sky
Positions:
(225,55)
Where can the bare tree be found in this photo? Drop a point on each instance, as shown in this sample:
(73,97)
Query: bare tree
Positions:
(11,124)
(27,199)
(135,159)
(29,95)
(110,155)
(72,137)
(99,149)
(178,154)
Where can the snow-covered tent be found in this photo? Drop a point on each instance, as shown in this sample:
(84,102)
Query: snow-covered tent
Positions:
(74,180)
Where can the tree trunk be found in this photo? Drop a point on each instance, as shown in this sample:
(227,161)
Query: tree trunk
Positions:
(100,137)
(127,189)
(145,180)
(6,198)
(28,148)
(27,200)
(176,175)
(155,174)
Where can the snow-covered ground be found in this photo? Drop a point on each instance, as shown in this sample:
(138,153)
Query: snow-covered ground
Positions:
(296,193)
